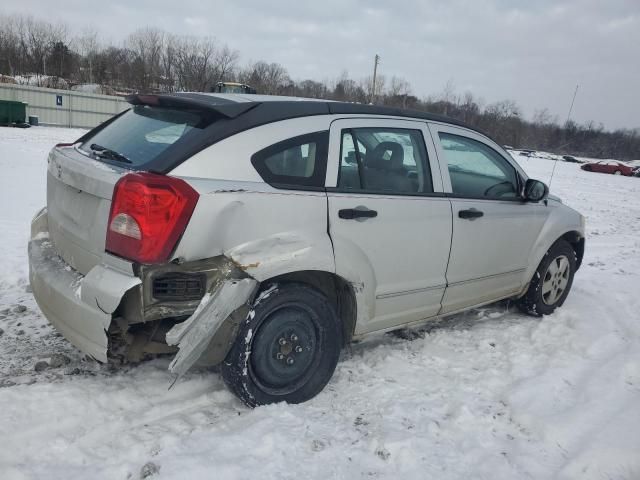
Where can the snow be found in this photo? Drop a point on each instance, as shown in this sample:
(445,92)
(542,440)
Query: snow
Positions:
(488,394)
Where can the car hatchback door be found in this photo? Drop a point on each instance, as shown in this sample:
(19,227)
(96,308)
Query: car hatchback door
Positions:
(389,220)
(493,228)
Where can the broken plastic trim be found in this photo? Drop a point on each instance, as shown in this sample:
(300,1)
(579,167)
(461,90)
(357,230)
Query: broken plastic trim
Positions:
(194,334)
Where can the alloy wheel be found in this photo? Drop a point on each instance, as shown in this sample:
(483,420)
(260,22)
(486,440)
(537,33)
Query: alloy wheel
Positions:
(555,280)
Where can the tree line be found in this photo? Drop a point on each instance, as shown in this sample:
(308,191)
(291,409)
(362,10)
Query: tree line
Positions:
(152,60)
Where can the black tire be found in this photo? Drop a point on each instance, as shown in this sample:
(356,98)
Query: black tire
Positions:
(261,369)
(537,301)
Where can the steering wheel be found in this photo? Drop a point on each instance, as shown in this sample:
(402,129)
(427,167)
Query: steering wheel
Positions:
(489,192)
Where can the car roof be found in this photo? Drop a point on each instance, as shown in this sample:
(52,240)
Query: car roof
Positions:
(232,105)
(236,113)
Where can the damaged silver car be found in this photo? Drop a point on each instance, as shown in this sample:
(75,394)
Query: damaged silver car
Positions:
(265,233)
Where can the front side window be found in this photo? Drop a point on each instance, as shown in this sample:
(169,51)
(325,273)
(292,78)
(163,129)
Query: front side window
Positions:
(296,162)
(384,160)
(476,170)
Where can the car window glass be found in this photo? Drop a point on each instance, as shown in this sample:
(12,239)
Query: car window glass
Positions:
(384,160)
(298,161)
(143,133)
(476,170)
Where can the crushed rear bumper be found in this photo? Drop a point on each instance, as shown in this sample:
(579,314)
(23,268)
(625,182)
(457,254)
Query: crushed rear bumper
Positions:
(79,307)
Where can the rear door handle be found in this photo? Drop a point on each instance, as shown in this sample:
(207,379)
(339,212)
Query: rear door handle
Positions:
(470,214)
(356,213)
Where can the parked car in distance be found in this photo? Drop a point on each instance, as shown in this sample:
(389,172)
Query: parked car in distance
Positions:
(262,234)
(233,87)
(610,166)
(525,152)
(570,159)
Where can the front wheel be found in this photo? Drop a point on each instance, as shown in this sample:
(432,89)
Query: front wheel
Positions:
(551,282)
(617,172)
(287,348)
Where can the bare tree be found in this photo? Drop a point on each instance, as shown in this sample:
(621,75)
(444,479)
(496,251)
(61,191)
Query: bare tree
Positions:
(151,59)
(268,78)
(87,46)
(147,44)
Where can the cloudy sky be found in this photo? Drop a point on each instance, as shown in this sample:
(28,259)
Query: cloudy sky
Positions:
(530,51)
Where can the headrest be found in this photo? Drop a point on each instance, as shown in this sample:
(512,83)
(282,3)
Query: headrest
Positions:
(378,157)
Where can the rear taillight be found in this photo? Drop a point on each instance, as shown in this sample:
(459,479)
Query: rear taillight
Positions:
(149,213)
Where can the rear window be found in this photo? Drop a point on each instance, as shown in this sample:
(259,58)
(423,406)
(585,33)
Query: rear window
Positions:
(142,134)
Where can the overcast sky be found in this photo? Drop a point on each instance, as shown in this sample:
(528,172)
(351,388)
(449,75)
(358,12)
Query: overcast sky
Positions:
(533,52)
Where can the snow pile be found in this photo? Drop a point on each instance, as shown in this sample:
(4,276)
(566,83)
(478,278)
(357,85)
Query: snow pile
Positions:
(38,80)
(488,394)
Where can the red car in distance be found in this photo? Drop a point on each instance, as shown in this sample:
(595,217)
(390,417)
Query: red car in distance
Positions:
(610,166)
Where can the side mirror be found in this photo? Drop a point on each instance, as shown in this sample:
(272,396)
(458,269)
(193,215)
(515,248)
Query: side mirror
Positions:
(535,191)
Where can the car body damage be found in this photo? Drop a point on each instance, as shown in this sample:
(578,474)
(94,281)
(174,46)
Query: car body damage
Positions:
(282,253)
(237,279)
(80,307)
(193,336)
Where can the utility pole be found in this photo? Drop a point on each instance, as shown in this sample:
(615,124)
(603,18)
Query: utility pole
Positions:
(571,107)
(376,60)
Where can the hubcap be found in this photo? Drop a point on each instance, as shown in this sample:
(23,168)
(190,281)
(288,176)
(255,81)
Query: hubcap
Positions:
(555,280)
(284,349)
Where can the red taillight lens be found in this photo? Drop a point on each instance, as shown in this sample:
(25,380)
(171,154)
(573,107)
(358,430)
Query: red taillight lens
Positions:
(148,214)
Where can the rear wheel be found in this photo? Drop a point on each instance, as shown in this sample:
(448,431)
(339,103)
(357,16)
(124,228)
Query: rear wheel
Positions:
(617,172)
(551,282)
(287,349)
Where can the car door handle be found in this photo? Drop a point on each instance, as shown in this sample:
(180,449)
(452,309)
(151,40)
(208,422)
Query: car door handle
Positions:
(356,213)
(470,214)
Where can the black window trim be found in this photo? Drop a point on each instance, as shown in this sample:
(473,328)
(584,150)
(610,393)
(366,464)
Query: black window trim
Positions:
(349,130)
(316,182)
(519,181)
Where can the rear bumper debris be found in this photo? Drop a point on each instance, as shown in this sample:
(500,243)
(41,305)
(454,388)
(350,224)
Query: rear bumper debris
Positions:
(82,307)
(194,335)
(79,307)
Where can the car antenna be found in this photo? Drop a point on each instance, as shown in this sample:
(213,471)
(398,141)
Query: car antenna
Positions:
(565,127)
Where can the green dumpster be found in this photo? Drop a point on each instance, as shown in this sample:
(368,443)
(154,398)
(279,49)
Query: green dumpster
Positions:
(12,112)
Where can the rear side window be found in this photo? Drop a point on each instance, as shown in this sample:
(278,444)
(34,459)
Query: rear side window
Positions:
(299,162)
(143,133)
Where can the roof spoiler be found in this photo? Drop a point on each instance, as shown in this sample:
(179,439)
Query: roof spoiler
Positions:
(222,107)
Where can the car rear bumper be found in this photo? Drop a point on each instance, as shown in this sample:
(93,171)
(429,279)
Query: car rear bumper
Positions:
(79,307)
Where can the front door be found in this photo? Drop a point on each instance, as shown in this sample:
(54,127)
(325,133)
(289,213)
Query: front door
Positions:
(388,218)
(493,228)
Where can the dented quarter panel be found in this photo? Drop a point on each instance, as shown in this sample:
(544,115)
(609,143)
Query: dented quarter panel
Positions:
(266,231)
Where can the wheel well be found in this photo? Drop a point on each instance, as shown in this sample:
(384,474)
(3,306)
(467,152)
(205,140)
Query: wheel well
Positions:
(339,292)
(576,240)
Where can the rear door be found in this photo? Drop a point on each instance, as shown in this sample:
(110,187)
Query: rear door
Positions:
(389,220)
(493,229)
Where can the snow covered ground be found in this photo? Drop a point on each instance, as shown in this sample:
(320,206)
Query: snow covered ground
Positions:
(490,394)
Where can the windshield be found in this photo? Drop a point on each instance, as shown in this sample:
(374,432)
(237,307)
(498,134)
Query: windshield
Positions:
(142,134)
